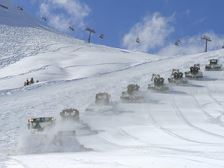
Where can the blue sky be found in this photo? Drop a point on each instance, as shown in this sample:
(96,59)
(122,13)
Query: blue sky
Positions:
(116,18)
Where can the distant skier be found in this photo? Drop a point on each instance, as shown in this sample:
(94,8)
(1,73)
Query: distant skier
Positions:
(27,82)
(32,81)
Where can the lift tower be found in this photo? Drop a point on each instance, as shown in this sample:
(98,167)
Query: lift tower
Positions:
(207,39)
(91,31)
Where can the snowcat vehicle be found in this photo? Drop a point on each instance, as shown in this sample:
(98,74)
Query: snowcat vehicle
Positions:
(177,77)
(213,65)
(102,103)
(194,72)
(158,83)
(102,98)
(70,114)
(48,133)
(39,124)
(47,129)
(132,93)
(71,125)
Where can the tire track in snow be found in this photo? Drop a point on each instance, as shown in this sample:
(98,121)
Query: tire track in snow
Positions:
(153,146)
(207,113)
(25,73)
(214,99)
(3,92)
(201,107)
(124,134)
(19,162)
(183,118)
(171,133)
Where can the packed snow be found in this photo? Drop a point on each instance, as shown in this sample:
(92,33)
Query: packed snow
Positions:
(182,127)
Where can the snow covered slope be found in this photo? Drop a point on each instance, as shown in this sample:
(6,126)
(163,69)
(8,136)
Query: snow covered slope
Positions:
(183,127)
(49,57)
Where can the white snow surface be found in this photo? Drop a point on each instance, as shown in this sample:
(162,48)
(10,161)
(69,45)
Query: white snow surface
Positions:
(182,128)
